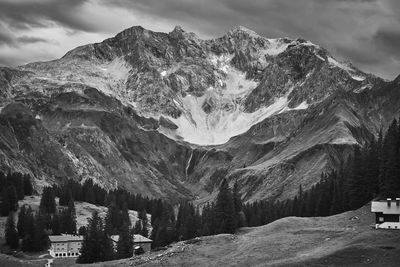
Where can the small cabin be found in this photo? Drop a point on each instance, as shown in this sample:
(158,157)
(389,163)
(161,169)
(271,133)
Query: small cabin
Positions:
(139,242)
(387,213)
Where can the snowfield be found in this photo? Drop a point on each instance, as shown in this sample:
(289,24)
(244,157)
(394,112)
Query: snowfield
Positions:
(227,117)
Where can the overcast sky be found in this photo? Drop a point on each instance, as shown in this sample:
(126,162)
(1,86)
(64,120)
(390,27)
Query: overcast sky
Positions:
(365,32)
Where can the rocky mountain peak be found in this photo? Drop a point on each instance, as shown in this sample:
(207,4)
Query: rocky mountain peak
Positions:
(132,31)
(177,30)
(181,34)
(241,30)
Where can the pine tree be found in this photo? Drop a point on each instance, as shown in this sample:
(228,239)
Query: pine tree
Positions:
(22,221)
(225,210)
(71,224)
(29,231)
(19,185)
(357,184)
(240,216)
(125,243)
(144,231)
(137,229)
(82,231)
(124,215)
(28,189)
(12,196)
(390,170)
(11,234)
(40,238)
(5,202)
(66,196)
(96,244)
(55,225)
(47,202)
(113,219)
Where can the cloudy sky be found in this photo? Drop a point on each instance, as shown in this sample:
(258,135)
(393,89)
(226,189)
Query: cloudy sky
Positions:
(365,32)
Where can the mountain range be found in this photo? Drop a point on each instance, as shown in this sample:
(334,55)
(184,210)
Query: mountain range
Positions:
(169,115)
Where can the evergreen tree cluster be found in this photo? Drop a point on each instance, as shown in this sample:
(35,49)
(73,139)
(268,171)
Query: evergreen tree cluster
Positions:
(94,194)
(30,228)
(13,187)
(223,216)
(372,172)
(33,227)
(97,245)
(326,198)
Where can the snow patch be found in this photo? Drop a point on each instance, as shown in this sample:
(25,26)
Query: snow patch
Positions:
(338,64)
(358,78)
(344,141)
(302,105)
(352,72)
(321,58)
(276,47)
(228,119)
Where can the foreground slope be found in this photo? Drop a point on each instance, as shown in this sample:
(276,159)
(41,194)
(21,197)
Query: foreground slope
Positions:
(344,239)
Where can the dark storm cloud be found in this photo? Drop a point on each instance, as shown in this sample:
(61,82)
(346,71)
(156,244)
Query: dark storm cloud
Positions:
(6,39)
(366,32)
(388,39)
(27,14)
(31,40)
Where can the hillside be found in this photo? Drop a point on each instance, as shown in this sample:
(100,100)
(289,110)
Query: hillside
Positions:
(84,211)
(342,240)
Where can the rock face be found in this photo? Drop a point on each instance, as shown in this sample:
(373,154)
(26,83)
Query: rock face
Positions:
(169,115)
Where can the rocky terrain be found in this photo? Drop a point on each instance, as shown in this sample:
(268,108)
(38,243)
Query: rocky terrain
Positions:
(169,114)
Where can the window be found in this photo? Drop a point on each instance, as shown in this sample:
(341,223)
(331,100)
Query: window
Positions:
(56,254)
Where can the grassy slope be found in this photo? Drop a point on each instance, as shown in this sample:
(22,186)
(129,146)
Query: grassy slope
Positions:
(344,239)
(10,261)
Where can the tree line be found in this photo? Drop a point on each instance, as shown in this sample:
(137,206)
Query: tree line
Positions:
(90,192)
(373,171)
(34,226)
(13,187)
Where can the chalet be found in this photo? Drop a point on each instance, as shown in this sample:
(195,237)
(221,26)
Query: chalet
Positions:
(139,242)
(387,213)
(65,245)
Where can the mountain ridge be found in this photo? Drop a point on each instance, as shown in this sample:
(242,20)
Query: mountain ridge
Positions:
(169,114)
